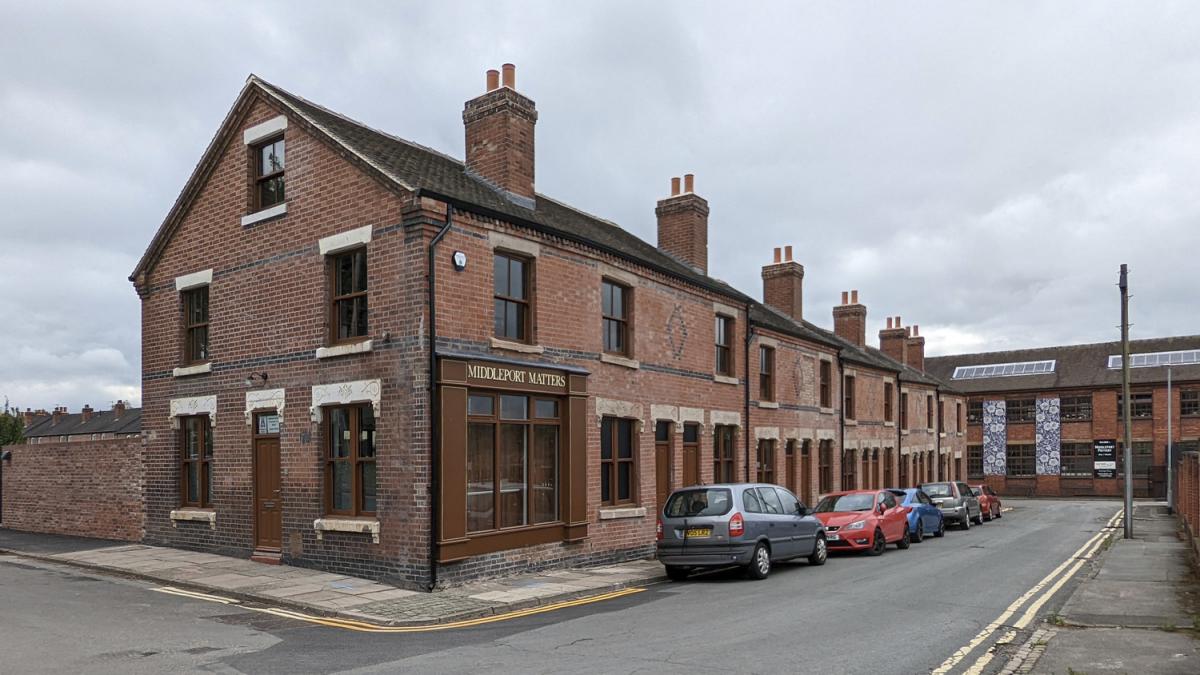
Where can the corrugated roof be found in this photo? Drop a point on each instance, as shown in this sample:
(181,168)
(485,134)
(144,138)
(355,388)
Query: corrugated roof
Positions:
(102,422)
(1076,367)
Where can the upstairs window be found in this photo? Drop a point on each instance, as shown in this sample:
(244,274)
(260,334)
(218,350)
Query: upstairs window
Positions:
(1020,410)
(928,412)
(1189,402)
(826,384)
(195,325)
(974,412)
(904,410)
(958,417)
(724,340)
(269,173)
(1076,408)
(766,373)
(848,394)
(349,295)
(615,322)
(941,417)
(887,402)
(511,297)
(1142,406)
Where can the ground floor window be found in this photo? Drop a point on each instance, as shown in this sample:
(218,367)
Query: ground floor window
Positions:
(1076,460)
(512,461)
(974,461)
(766,461)
(618,468)
(825,466)
(196,454)
(1021,460)
(350,460)
(723,444)
(849,469)
(1143,457)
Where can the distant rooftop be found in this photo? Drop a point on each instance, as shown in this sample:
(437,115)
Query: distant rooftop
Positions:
(121,420)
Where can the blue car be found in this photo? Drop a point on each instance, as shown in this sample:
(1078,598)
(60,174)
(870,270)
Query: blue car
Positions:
(924,516)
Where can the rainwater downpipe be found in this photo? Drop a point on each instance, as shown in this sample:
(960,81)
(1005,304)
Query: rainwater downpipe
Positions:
(435,409)
(746,390)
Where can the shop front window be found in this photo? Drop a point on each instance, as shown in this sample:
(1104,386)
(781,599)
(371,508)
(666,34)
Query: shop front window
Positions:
(512,461)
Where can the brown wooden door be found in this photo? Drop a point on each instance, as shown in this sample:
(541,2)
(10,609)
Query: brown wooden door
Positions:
(806,473)
(691,464)
(268,523)
(662,471)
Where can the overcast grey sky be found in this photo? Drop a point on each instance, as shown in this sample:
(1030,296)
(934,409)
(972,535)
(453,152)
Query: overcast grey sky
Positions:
(979,168)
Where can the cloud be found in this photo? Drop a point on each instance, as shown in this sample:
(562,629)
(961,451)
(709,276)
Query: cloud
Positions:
(979,169)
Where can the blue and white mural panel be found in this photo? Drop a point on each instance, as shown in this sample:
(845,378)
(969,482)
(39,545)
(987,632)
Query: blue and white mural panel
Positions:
(1048,436)
(995,438)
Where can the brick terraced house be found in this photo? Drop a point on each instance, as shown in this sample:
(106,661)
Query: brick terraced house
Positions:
(362,355)
(1040,420)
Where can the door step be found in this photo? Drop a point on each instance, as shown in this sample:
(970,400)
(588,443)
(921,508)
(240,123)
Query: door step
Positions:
(267,557)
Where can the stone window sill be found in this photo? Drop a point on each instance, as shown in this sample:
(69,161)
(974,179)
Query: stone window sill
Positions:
(521,347)
(347,349)
(265,214)
(198,369)
(725,379)
(620,361)
(769,404)
(851,423)
(942,434)
(958,433)
(194,515)
(619,512)
(356,525)
(889,424)
(904,432)
(826,411)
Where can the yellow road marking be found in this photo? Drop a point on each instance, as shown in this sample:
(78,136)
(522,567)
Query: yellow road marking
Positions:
(983,635)
(363,627)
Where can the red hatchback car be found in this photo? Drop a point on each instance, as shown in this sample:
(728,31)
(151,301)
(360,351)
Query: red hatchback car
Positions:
(863,520)
(989,501)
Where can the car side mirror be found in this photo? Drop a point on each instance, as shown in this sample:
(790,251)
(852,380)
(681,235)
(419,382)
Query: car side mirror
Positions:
(882,508)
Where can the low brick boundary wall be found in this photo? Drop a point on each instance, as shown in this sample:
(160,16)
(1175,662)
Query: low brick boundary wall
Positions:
(83,488)
(1187,497)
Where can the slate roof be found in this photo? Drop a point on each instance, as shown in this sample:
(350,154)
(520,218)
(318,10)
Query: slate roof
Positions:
(1077,367)
(102,422)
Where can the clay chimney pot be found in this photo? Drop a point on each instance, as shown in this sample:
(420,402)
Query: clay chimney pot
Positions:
(510,75)
(689,183)
(675,186)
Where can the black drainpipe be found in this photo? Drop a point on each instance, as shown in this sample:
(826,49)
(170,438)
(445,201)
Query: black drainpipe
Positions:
(746,390)
(937,430)
(899,435)
(434,407)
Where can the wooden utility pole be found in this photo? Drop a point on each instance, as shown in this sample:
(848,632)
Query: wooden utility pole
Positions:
(1127,456)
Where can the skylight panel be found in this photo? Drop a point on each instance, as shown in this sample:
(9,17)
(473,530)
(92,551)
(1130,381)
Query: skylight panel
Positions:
(1155,359)
(1003,370)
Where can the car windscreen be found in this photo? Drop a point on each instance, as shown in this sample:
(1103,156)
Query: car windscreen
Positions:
(862,502)
(699,502)
(977,492)
(938,489)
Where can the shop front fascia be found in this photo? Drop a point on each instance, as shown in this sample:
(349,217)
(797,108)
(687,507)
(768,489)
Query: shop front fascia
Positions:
(513,454)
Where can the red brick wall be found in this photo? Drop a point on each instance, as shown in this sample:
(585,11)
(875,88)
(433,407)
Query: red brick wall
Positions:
(81,488)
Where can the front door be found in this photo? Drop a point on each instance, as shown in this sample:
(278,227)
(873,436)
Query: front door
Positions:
(268,513)
(790,464)
(805,493)
(662,462)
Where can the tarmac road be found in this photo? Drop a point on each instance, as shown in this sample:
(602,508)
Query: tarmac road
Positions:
(904,612)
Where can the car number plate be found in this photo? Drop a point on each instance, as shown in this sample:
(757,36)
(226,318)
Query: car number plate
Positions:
(697,533)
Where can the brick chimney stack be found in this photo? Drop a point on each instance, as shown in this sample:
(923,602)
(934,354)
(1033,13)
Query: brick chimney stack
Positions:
(850,319)
(118,409)
(916,349)
(499,125)
(29,417)
(783,284)
(87,413)
(893,340)
(683,224)
(59,413)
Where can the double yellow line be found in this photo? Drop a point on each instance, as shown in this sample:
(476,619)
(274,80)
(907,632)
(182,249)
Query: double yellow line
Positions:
(364,627)
(1072,564)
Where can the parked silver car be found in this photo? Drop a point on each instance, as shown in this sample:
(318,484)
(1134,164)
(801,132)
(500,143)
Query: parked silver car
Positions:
(747,524)
(957,502)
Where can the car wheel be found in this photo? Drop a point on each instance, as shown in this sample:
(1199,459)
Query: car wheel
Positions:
(820,552)
(878,543)
(998,510)
(919,535)
(941,531)
(987,517)
(965,523)
(978,518)
(677,573)
(903,542)
(760,562)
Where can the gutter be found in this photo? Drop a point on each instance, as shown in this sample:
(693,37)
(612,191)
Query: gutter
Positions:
(435,408)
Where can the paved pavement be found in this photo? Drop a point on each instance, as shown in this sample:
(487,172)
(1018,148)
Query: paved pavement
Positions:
(1137,611)
(905,612)
(325,594)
